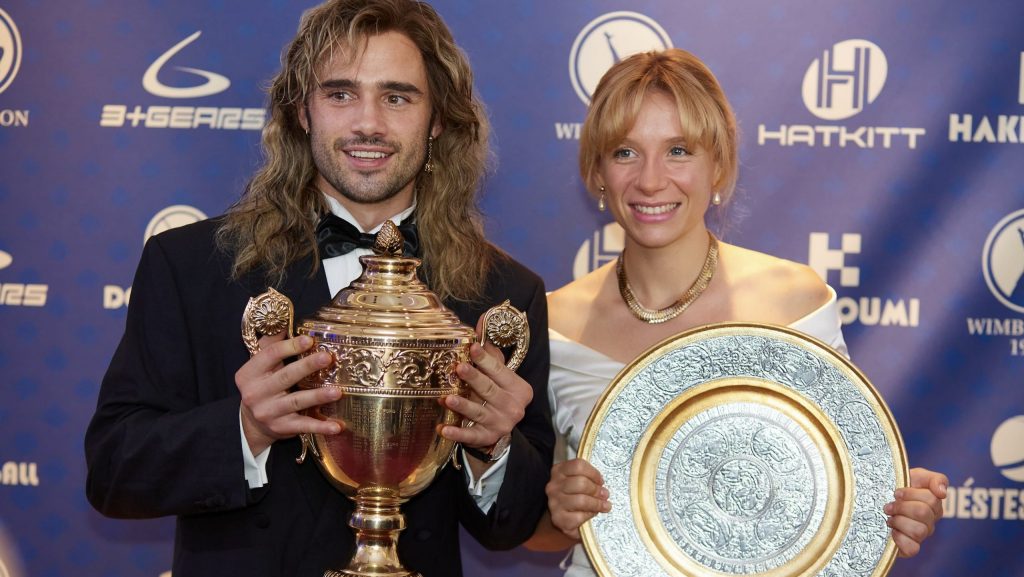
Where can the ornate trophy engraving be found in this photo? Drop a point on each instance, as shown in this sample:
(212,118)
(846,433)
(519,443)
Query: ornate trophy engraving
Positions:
(395,348)
(739,449)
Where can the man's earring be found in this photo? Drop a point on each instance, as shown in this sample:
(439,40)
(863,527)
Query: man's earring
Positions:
(600,202)
(429,166)
(716,199)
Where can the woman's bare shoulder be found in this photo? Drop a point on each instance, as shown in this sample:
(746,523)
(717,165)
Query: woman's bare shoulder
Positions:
(570,305)
(790,290)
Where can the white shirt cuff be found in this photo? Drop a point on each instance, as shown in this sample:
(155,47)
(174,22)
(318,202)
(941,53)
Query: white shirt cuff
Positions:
(485,490)
(255,467)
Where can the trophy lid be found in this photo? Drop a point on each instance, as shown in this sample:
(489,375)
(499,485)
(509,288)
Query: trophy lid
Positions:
(388,300)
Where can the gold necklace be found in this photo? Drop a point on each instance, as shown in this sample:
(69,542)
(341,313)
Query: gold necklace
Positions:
(675,309)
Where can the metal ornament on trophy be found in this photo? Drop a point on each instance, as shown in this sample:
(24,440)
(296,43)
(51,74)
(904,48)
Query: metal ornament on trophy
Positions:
(737,449)
(395,349)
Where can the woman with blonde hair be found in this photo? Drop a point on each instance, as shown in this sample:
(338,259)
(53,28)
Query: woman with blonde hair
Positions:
(659,151)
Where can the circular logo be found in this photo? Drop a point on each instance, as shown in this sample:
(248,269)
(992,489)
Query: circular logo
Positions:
(846,78)
(608,39)
(10,50)
(1002,261)
(603,247)
(172,217)
(1008,448)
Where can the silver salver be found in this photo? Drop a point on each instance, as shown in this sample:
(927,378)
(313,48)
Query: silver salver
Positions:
(743,449)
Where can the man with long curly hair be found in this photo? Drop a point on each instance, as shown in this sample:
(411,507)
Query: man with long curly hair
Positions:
(372,118)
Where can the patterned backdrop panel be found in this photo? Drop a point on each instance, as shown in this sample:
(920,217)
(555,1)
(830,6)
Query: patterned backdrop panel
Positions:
(882,144)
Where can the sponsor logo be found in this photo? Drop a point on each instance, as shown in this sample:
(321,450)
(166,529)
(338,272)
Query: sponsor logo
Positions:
(866,310)
(1005,503)
(114,296)
(602,247)
(215,83)
(604,41)
(14,473)
(846,78)
(10,50)
(183,117)
(172,217)
(997,129)
(10,62)
(18,294)
(838,85)
(1002,265)
(1002,261)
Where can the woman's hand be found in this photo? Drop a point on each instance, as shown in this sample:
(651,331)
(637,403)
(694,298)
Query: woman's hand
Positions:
(576,492)
(912,516)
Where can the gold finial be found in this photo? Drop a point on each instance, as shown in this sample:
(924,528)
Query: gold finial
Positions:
(389,240)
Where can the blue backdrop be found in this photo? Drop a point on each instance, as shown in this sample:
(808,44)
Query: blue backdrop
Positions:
(882,144)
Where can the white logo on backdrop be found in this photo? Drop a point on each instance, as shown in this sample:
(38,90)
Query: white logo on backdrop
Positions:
(1008,448)
(1020,91)
(172,217)
(115,296)
(602,247)
(5,260)
(846,78)
(10,50)
(1002,261)
(214,82)
(608,39)
(823,259)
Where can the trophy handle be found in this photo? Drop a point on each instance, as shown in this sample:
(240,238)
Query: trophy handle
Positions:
(269,314)
(505,326)
(266,314)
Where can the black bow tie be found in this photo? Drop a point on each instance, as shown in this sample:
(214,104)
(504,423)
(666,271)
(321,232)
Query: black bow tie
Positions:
(335,236)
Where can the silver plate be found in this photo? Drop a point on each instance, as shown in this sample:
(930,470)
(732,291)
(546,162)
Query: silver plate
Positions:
(743,449)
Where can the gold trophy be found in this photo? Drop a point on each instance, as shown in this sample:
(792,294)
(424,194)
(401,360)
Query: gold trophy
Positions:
(395,348)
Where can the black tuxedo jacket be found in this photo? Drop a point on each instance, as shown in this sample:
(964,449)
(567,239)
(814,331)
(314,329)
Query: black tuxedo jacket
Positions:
(165,438)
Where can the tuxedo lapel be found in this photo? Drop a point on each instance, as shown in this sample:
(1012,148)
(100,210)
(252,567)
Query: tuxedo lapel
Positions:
(308,293)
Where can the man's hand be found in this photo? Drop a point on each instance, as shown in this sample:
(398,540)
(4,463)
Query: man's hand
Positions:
(498,400)
(269,411)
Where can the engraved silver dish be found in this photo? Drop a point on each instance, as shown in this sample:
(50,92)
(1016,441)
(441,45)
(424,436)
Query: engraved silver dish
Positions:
(743,449)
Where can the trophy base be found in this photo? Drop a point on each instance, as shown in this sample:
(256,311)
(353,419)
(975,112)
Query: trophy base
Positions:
(375,573)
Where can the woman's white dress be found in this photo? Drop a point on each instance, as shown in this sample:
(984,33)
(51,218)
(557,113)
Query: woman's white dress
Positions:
(580,374)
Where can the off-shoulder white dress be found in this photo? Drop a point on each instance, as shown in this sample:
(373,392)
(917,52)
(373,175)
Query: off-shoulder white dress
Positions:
(580,374)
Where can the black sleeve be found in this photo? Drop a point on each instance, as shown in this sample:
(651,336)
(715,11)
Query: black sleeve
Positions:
(521,500)
(165,438)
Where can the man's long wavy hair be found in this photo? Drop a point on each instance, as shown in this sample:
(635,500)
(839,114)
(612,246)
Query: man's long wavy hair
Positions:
(273,224)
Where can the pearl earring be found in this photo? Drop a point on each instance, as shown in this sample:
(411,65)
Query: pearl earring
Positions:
(716,199)
(600,202)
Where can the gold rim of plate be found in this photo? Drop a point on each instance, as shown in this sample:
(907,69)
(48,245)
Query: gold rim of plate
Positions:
(851,498)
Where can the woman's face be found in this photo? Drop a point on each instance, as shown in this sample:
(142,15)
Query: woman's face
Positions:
(658,186)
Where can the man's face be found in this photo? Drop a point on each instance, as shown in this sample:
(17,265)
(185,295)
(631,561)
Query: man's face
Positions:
(368,120)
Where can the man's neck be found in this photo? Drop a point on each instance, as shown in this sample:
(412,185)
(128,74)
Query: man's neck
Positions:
(368,217)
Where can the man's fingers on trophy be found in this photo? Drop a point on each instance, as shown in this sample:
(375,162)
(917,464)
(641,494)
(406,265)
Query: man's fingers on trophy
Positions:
(315,397)
(325,427)
(488,359)
(302,368)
